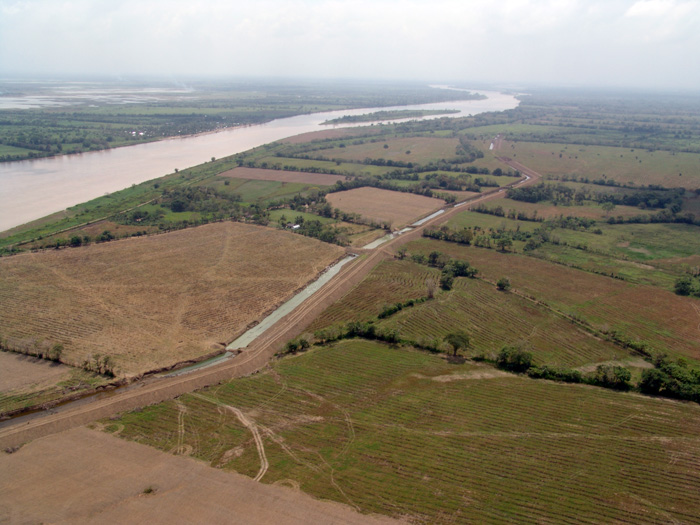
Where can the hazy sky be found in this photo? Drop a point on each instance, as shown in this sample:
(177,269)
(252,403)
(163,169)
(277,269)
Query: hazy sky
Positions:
(645,43)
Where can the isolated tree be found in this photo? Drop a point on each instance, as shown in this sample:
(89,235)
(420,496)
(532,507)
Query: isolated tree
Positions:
(503,284)
(401,253)
(457,340)
(608,207)
(503,242)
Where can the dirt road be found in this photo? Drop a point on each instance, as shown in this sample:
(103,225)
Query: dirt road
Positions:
(254,358)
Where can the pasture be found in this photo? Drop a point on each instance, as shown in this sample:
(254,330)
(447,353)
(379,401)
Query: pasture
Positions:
(149,303)
(405,433)
(392,207)
(624,165)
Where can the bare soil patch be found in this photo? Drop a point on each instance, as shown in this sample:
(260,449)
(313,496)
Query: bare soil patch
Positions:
(104,479)
(394,207)
(461,195)
(633,363)
(152,302)
(337,133)
(21,371)
(321,179)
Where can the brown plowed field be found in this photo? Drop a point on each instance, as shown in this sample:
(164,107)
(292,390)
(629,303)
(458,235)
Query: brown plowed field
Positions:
(394,207)
(321,179)
(21,371)
(156,301)
(335,133)
(85,476)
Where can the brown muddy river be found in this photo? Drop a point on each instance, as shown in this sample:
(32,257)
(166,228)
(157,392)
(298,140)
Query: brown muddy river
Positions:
(32,189)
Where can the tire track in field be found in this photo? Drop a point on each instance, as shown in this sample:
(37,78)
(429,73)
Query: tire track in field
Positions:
(258,353)
(250,425)
(264,465)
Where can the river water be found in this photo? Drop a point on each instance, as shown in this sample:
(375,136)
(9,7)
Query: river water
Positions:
(32,189)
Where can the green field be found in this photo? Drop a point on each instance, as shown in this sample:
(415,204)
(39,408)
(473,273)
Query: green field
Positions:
(637,312)
(624,165)
(404,433)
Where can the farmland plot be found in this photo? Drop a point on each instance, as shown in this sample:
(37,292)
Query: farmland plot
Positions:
(624,165)
(388,283)
(152,302)
(405,149)
(393,207)
(667,321)
(405,433)
(495,319)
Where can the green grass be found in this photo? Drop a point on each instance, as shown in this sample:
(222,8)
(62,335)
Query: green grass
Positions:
(624,165)
(12,150)
(495,319)
(387,431)
(470,219)
(667,322)
(291,215)
(639,242)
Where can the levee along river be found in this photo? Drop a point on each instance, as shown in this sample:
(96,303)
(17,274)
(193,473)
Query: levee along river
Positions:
(33,189)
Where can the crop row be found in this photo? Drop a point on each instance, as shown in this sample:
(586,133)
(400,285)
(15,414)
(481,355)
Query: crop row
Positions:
(382,429)
(388,283)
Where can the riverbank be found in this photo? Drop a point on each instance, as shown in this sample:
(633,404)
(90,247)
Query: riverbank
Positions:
(33,189)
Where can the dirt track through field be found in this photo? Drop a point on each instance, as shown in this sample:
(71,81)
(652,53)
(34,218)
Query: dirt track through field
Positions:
(88,476)
(255,357)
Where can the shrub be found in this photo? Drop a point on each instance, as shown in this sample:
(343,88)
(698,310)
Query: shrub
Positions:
(566,375)
(611,376)
(514,358)
(503,284)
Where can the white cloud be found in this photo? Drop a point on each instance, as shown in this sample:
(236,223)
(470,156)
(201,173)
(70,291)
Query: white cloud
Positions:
(659,8)
(561,41)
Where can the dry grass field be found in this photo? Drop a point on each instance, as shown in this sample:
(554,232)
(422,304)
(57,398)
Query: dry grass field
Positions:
(405,433)
(152,302)
(396,208)
(405,149)
(320,179)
